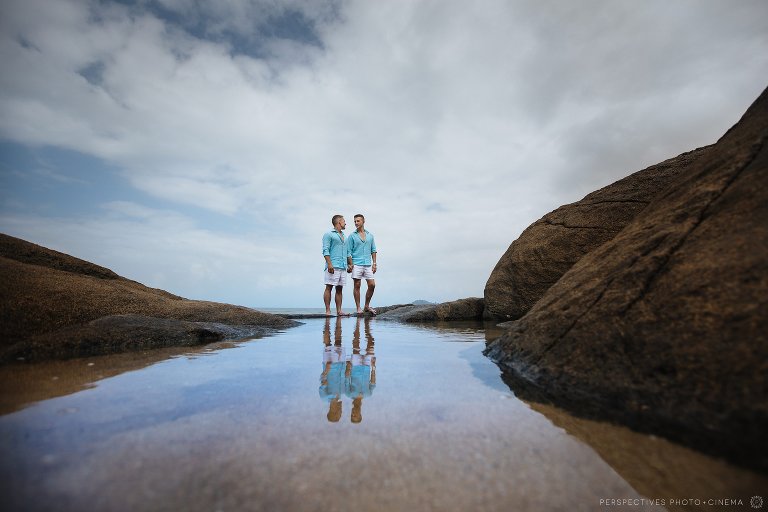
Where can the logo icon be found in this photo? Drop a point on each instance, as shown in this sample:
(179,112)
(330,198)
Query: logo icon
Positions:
(756,502)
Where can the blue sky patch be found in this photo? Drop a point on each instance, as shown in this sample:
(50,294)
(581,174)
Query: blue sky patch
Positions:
(278,23)
(66,183)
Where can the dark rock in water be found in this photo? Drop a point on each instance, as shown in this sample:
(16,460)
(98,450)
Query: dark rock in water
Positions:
(402,313)
(550,246)
(463,309)
(46,292)
(384,309)
(122,333)
(665,327)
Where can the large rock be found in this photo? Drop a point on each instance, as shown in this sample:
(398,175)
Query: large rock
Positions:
(664,326)
(462,309)
(48,296)
(548,248)
(123,333)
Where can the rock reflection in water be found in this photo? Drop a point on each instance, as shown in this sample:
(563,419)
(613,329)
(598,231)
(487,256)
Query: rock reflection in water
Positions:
(353,376)
(22,384)
(656,467)
(243,429)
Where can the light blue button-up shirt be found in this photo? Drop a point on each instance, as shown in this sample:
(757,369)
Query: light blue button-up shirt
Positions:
(336,247)
(360,250)
(359,383)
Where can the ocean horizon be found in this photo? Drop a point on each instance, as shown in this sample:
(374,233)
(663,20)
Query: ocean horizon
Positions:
(292,311)
(311,311)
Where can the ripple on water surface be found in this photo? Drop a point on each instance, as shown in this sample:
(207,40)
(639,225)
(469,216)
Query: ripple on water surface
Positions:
(344,414)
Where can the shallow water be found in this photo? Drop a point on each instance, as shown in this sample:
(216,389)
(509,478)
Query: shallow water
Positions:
(423,421)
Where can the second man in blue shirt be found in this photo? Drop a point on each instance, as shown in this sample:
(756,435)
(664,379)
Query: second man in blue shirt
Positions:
(361,249)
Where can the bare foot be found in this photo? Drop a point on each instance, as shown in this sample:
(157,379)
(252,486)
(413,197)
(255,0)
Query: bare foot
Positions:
(341,313)
(328,313)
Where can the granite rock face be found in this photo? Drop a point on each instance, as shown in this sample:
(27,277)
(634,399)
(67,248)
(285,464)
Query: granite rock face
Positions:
(665,326)
(48,296)
(462,309)
(549,247)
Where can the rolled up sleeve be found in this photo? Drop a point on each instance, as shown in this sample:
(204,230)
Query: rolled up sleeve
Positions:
(326,245)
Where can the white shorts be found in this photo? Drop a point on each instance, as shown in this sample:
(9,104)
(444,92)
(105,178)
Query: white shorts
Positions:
(338,278)
(334,354)
(361,272)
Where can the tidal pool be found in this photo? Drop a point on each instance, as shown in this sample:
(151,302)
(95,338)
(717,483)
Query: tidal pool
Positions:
(344,414)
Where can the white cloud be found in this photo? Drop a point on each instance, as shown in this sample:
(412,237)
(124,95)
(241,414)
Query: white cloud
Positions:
(497,112)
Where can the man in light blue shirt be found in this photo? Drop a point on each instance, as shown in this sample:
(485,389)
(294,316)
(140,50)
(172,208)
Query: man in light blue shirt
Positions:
(361,248)
(335,254)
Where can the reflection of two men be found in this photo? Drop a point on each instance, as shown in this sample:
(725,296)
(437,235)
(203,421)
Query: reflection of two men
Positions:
(353,376)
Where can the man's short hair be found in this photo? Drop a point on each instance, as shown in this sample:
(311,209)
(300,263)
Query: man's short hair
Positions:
(359,215)
(335,218)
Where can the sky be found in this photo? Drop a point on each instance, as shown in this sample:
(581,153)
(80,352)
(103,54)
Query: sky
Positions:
(203,147)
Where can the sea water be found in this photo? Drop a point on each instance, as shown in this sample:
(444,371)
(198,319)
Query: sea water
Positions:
(409,418)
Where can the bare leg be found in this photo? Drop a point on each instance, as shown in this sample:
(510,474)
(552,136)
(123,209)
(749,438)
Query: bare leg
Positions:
(369,292)
(356,293)
(338,300)
(327,299)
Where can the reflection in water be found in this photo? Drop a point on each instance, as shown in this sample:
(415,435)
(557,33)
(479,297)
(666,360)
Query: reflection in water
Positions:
(656,467)
(361,371)
(332,378)
(353,376)
(27,383)
(236,429)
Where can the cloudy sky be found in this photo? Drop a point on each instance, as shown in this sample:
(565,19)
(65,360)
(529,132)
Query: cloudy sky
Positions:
(202,147)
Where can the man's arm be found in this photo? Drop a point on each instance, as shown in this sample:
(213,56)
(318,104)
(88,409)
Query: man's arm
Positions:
(373,253)
(349,253)
(327,252)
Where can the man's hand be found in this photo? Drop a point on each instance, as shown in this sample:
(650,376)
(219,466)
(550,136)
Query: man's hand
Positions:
(330,270)
(374,268)
(349,269)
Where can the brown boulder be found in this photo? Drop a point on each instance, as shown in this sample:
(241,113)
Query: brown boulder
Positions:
(664,326)
(551,245)
(45,292)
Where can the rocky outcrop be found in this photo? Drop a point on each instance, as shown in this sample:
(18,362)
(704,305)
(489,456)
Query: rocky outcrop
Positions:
(33,254)
(664,327)
(50,300)
(462,309)
(123,333)
(549,247)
